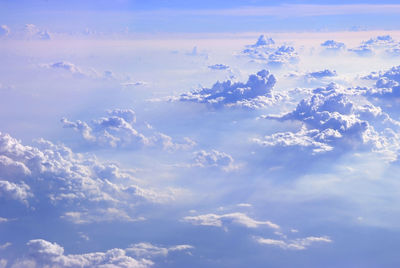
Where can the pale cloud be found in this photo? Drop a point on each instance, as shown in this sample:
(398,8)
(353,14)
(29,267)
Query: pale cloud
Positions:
(294,244)
(224,219)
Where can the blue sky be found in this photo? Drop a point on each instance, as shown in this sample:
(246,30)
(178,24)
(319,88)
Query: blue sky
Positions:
(199,134)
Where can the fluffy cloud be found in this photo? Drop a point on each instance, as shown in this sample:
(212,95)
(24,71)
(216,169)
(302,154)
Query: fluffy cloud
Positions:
(47,254)
(255,93)
(331,45)
(20,192)
(331,118)
(214,158)
(265,50)
(42,253)
(118,130)
(56,176)
(384,43)
(222,220)
(295,244)
(218,67)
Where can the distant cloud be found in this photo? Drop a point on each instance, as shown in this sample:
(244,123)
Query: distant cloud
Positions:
(294,244)
(255,93)
(383,43)
(222,220)
(331,119)
(265,50)
(118,130)
(147,250)
(214,158)
(218,67)
(332,45)
(33,32)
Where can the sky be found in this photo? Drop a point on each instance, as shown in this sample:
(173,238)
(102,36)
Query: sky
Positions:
(199,133)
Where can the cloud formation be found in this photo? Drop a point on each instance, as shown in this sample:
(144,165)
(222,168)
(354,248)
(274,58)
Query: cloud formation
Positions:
(294,244)
(265,50)
(255,93)
(74,184)
(224,219)
(214,158)
(118,130)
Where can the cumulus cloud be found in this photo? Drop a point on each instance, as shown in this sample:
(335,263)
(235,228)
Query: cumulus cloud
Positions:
(218,67)
(46,254)
(214,158)
(20,192)
(224,219)
(118,130)
(383,43)
(72,182)
(331,118)
(295,244)
(332,45)
(255,93)
(42,253)
(265,50)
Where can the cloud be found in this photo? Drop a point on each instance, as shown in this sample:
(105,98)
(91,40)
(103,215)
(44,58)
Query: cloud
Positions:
(331,45)
(255,93)
(222,220)
(118,130)
(265,50)
(147,250)
(218,67)
(20,192)
(295,244)
(331,118)
(214,158)
(4,30)
(43,253)
(33,32)
(78,187)
(383,43)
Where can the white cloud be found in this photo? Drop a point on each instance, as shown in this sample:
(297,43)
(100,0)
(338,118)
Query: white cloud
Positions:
(20,192)
(265,50)
(222,220)
(47,254)
(68,181)
(118,130)
(214,158)
(295,244)
(256,92)
(331,118)
(33,32)
(147,250)
(218,67)
(332,45)
(383,43)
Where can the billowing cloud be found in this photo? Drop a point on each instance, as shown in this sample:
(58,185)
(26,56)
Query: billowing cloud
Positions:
(147,250)
(331,118)
(218,67)
(383,43)
(214,158)
(294,244)
(255,93)
(224,219)
(332,45)
(118,130)
(265,50)
(58,177)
